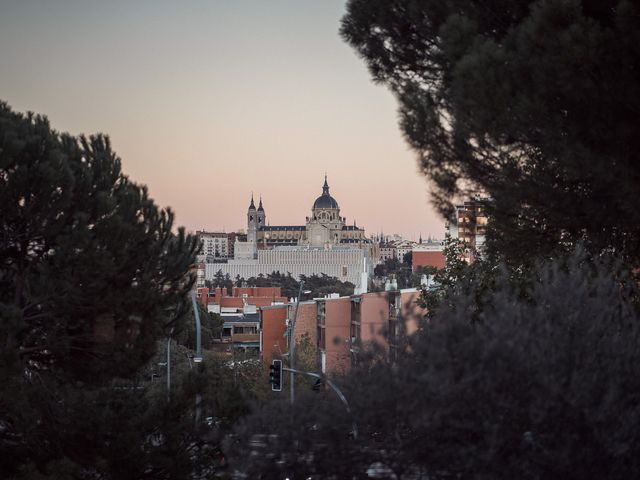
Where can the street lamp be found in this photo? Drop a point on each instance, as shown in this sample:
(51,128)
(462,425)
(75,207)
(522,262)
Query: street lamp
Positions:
(196,359)
(198,356)
(292,342)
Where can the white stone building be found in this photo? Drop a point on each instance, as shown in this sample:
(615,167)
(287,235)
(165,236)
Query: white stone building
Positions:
(324,245)
(215,246)
(324,227)
(403,247)
(344,262)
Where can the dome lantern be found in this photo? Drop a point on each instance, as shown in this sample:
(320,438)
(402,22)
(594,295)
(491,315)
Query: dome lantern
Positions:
(325,200)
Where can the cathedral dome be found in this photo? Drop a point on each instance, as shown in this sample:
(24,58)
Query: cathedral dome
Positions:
(325,200)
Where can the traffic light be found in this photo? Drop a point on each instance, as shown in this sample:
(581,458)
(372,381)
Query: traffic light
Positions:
(318,385)
(275,375)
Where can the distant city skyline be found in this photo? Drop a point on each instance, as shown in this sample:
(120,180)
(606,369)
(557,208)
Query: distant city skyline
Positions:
(207,101)
(259,199)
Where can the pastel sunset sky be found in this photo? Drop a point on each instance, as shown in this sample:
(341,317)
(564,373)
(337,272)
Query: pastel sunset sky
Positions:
(207,101)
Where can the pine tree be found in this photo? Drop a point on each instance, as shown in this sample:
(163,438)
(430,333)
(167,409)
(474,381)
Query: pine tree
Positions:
(91,275)
(534,103)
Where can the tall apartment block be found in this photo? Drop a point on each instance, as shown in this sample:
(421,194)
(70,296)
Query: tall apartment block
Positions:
(469,224)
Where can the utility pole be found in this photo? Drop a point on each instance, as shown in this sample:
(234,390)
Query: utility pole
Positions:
(198,358)
(196,314)
(169,368)
(168,365)
(292,347)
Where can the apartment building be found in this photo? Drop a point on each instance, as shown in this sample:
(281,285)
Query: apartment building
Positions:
(215,246)
(240,313)
(342,327)
(469,224)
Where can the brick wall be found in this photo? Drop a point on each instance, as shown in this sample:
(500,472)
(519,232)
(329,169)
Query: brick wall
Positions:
(427,259)
(411,312)
(273,327)
(306,321)
(337,332)
(374,318)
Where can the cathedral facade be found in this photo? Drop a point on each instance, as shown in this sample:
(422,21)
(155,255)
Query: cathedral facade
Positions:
(325,244)
(323,228)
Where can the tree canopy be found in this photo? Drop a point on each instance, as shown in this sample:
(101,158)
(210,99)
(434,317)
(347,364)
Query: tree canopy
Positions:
(91,271)
(319,285)
(544,388)
(533,103)
(91,275)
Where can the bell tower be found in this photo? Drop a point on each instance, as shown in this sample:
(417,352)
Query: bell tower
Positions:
(262,217)
(252,222)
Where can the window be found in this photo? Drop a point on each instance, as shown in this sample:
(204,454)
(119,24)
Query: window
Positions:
(355,322)
(248,330)
(321,338)
(321,313)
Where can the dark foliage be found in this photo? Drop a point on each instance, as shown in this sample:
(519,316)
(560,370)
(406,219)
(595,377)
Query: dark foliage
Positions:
(461,278)
(544,388)
(89,264)
(91,275)
(401,271)
(220,280)
(535,103)
(210,328)
(319,285)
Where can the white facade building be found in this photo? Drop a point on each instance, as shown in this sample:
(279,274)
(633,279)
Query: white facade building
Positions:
(324,245)
(346,263)
(215,245)
(433,246)
(404,247)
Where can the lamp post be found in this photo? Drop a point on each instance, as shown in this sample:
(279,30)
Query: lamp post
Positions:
(198,356)
(292,344)
(196,314)
(169,367)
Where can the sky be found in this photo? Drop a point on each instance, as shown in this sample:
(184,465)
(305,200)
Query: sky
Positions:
(208,101)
